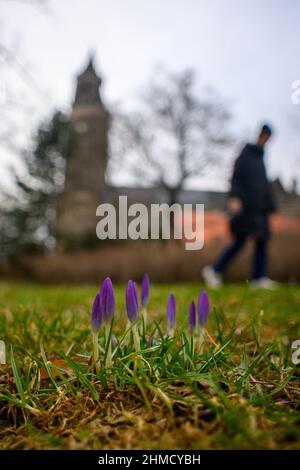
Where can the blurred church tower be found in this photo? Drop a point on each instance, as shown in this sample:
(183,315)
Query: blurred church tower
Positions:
(86,161)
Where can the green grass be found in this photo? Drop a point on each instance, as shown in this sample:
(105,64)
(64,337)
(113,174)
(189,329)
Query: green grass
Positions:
(242,394)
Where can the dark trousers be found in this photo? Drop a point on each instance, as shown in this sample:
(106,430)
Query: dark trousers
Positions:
(259,268)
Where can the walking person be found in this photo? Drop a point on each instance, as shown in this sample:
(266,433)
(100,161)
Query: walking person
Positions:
(250,203)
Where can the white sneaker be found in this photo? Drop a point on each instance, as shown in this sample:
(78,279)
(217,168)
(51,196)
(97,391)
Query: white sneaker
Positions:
(264,283)
(211,278)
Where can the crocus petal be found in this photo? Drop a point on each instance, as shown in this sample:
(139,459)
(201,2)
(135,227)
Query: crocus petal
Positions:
(203,308)
(192,316)
(145,290)
(96,318)
(171,311)
(108,301)
(131,300)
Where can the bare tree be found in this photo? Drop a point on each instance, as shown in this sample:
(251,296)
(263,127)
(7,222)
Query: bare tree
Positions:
(175,136)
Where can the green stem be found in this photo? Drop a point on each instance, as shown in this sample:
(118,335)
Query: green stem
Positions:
(192,342)
(108,361)
(136,338)
(96,359)
(127,336)
(201,340)
(145,316)
(171,332)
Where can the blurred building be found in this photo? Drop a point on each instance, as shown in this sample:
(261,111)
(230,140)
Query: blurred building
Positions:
(86,161)
(85,186)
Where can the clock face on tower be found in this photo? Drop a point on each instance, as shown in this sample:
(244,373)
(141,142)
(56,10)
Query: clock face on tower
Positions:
(81,127)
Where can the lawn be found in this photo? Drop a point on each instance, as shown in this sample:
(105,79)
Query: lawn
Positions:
(240,392)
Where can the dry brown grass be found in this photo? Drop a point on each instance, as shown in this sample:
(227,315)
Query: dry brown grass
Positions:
(120,420)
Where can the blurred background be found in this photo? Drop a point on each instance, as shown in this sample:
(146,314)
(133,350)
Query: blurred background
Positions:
(153,100)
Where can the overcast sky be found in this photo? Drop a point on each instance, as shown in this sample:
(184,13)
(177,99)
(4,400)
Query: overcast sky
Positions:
(248,50)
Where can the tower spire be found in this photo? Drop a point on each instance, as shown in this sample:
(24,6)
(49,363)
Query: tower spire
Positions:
(91,63)
(88,83)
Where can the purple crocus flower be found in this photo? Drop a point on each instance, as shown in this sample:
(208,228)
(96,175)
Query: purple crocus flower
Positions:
(97,315)
(192,316)
(145,290)
(203,308)
(107,299)
(132,302)
(171,311)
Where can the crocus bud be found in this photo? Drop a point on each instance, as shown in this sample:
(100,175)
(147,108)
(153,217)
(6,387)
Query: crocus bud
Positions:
(171,311)
(145,290)
(97,316)
(192,316)
(108,301)
(203,308)
(132,302)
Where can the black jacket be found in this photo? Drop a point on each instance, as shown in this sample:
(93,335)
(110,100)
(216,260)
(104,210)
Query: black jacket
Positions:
(250,184)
